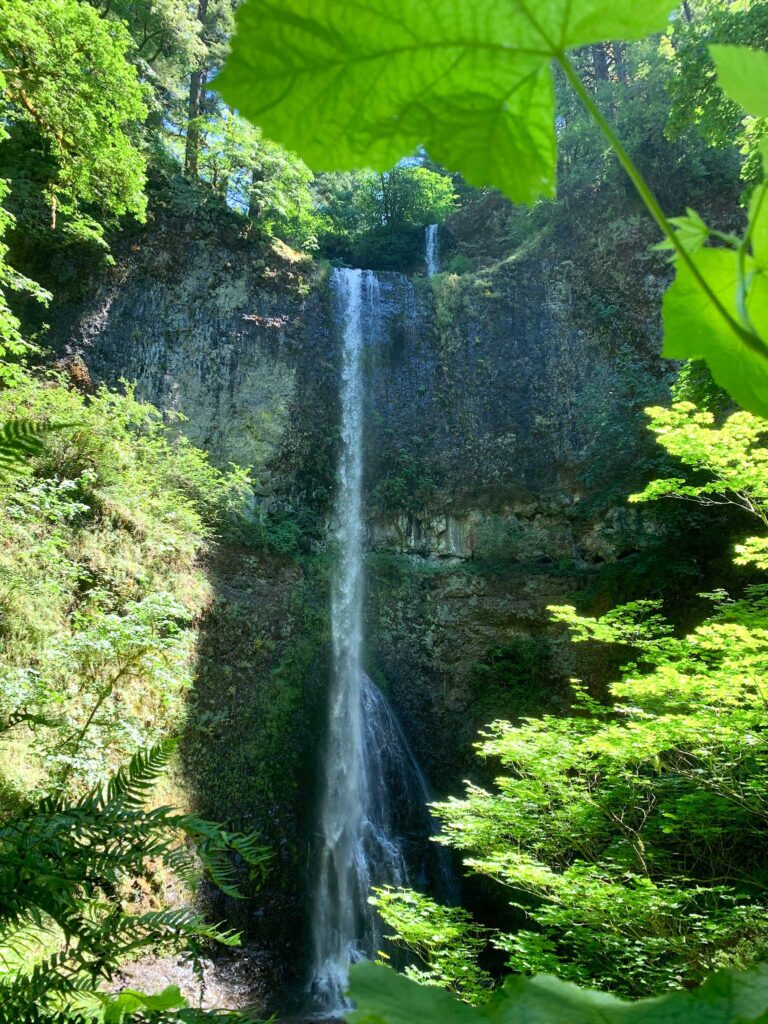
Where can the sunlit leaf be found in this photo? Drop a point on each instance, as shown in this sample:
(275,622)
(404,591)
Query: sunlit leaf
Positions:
(695,329)
(382,995)
(743,75)
(691,230)
(468,79)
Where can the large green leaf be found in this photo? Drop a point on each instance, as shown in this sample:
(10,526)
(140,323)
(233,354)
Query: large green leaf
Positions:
(124,1005)
(349,85)
(726,998)
(693,326)
(743,75)
(695,329)
(384,997)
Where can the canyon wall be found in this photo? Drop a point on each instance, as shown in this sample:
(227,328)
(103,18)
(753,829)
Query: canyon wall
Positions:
(503,431)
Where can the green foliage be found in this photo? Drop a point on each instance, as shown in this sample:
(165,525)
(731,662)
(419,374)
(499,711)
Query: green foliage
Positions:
(64,930)
(688,49)
(104,516)
(694,384)
(452,77)
(472,85)
(695,327)
(377,220)
(741,73)
(66,75)
(383,997)
(99,540)
(731,458)
(631,80)
(257,177)
(13,346)
(445,940)
(629,835)
(729,462)
(165,37)
(20,439)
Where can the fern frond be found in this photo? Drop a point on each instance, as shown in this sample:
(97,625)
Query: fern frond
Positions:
(131,785)
(249,848)
(60,864)
(22,439)
(136,930)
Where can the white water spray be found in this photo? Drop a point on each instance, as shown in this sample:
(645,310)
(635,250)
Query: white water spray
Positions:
(431,255)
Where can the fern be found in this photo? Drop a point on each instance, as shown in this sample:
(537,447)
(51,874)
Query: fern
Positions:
(61,865)
(21,440)
(133,784)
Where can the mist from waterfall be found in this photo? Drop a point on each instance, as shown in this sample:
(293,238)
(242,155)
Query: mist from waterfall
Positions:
(431,257)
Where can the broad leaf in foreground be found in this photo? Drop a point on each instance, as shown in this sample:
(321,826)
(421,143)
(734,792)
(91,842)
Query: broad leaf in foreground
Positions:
(736,351)
(725,998)
(743,75)
(695,329)
(384,997)
(360,85)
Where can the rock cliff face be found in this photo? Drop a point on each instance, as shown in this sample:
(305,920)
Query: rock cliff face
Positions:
(229,333)
(504,430)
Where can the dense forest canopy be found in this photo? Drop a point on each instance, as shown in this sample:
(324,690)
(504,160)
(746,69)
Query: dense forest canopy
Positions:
(621,836)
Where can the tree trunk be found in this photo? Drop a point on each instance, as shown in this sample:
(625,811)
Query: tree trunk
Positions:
(687,12)
(254,206)
(620,68)
(600,62)
(194,106)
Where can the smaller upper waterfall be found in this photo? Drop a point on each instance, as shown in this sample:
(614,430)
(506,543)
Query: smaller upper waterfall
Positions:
(432,259)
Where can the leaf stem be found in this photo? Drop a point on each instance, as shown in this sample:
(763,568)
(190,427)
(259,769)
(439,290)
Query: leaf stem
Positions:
(653,206)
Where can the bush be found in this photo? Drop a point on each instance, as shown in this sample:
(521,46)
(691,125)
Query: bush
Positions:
(100,543)
(631,833)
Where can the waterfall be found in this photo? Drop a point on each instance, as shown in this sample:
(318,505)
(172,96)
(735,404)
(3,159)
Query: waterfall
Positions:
(431,255)
(374,796)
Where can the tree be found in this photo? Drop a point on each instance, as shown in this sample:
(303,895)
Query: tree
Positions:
(165,40)
(718,119)
(215,20)
(377,219)
(729,460)
(630,833)
(66,77)
(195,104)
(257,177)
(413,196)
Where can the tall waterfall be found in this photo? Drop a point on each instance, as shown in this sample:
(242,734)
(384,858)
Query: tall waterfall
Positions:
(374,796)
(431,255)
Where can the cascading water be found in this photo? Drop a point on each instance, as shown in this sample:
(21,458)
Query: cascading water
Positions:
(374,796)
(431,255)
